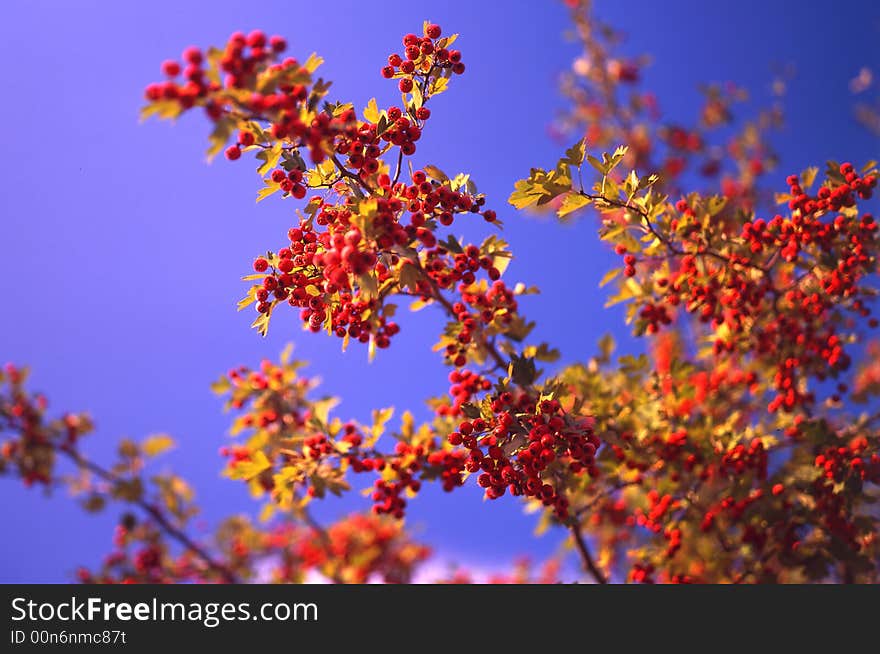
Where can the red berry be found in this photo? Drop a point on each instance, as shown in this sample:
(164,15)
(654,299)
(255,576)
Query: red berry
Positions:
(405,85)
(233,152)
(171,68)
(192,55)
(278,44)
(256,39)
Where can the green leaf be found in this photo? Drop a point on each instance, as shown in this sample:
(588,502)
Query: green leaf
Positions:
(452,244)
(471,411)
(522,371)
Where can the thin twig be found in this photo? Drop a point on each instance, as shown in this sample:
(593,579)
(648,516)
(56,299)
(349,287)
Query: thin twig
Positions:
(174,532)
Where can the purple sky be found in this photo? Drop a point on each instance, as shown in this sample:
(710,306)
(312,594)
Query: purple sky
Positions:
(122,251)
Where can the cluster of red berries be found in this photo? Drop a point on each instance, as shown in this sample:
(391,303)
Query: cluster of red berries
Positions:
(527,466)
(141,556)
(658,506)
(846,464)
(410,464)
(321,271)
(424,55)
(741,458)
(679,138)
(731,507)
(357,549)
(290,182)
(839,463)
(465,385)
(642,573)
(186,94)
(425,199)
(314,274)
(733,288)
(447,269)
(832,198)
(403,131)
(279,92)
(31,450)
(244,56)
(365,147)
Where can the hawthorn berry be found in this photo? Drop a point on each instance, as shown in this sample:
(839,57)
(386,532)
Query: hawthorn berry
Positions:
(233,152)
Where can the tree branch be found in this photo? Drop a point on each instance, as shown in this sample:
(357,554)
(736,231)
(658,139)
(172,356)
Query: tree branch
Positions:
(161,520)
(586,557)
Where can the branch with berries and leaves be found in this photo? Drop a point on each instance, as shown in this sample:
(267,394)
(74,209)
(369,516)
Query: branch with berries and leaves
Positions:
(733,449)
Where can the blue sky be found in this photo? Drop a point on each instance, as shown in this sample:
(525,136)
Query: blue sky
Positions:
(122,251)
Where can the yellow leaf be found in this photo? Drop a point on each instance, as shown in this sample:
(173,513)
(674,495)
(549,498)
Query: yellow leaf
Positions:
(371,111)
(220,136)
(270,188)
(155,445)
(380,417)
(270,159)
(572,202)
(501,260)
(313,62)
(250,468)
(575,154)
(610,275)
(369,286)
(248,299)
(221,386)
(809,176)
(162,109)
(261,324)
(409,276)
(438,85)
(435,173)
